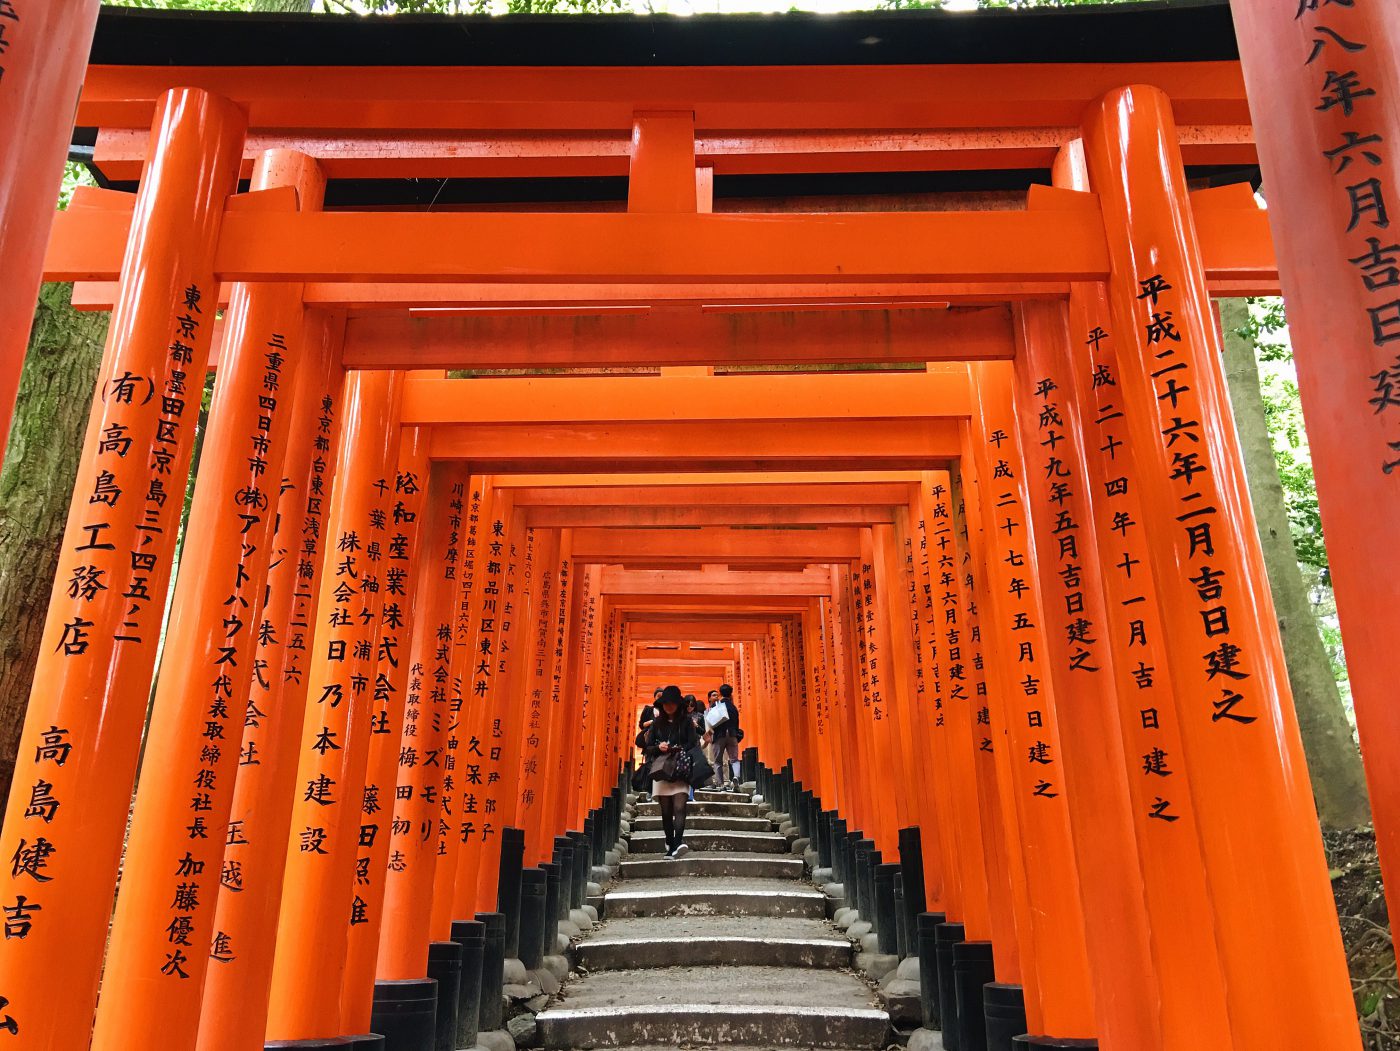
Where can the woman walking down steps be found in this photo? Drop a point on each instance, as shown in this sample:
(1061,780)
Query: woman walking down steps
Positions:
(724,946)
(670,747)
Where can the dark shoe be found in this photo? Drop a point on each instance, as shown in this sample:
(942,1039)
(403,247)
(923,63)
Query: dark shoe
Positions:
(680,850)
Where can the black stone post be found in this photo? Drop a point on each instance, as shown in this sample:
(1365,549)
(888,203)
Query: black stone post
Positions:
(532,895)
(445,967)
(972,969)
(508,887)
(946,937)
(901,935)
(581,869)
(862,849)
(549,937)
(885,917)
(564,858)
(928,924)
(824,820)
(471,936)
(838,850)
(404,1013)
(911,862)
(493,971)
(867,885)
(1005,1014)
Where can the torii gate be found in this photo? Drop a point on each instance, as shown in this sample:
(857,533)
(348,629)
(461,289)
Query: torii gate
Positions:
(967,598)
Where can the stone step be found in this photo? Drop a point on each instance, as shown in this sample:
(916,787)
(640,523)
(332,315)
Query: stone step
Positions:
(759,1006)
(712,864)
(753,842)
(711,795)
(683,896)
(706,822)
(698,807)
(654,941)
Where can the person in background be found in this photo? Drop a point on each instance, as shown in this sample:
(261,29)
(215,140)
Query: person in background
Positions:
(670,733)
(695,711)
(649,711)
(708,742)
(726,741)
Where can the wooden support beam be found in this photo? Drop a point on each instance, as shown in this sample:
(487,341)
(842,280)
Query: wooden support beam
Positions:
(622,515)
(672,584)
(677,336)
(590,99)
(88,244)
(740,446)
(787,487)
(451,154)
(699,400)
(716,545)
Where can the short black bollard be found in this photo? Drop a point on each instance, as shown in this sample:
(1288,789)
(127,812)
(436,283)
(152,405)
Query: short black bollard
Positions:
(823,843)
(946,936)
(867,884)
(404,1013)
(471,936)
(549,922)
(1005,1014)
(901,935)
(838,850)
(885,916)
(508,886)
(564,858)
(927,926)
(863,905)
(972,969)
(445,967)
(532,893)
(493,972)
(365,1042)
(911,861)
(581,869)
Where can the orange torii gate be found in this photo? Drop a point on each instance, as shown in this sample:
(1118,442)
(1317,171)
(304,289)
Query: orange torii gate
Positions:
(439,626)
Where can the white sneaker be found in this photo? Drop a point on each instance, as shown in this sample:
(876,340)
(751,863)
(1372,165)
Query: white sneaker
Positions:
(680,851)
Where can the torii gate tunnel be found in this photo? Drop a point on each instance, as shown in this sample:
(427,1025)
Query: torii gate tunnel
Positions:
(979,559)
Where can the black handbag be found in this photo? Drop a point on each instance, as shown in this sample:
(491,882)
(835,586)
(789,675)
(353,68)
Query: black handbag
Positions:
(701,770)
(641,777)
(678,766)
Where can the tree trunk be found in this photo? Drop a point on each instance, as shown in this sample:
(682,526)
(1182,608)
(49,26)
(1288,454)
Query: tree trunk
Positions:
(41,463)
(1334,764)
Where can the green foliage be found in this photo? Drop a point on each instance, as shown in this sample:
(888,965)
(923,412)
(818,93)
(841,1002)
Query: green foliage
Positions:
(1283,411)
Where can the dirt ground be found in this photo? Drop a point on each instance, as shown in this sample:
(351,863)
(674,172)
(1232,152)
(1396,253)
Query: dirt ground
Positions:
(1356,882)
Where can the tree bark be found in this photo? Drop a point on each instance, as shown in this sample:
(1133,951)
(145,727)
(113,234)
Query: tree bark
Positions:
(41,463)
(1334,764)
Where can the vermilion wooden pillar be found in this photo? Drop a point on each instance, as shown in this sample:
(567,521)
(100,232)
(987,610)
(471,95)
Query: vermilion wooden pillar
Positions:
(1183,933)
(536,656)
(996,796)
(404,563)
(1014,628)
(65,821)
(45,55)
(1128,995)
(319,884)
(422,761)
(180,816)
(1324,95)
(236,985)
(1253,799)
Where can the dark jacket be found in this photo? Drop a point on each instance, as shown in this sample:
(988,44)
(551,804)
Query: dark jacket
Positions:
(680,732)
(730,728)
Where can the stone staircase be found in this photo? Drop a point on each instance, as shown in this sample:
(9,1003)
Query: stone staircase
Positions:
(727,946)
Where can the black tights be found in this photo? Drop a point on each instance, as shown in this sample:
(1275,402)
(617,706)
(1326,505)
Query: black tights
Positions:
(673,818)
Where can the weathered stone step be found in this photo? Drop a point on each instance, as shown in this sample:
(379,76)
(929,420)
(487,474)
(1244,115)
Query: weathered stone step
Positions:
(760,866)
(651,941)
(706,822)
(686,1005)
(753,842)
(710,795)
(697,808)
(689,896)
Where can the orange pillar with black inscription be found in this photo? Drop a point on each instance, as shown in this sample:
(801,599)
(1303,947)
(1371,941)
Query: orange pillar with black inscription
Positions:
(475,494)
(403,565)
(319,883)
(1324,96)
(1128,994)
(1183,933)
(45,47)
(1248,773)
(64,826)
(535,655)
(236,985)
(163,926)
(1014,637)
(422,760)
